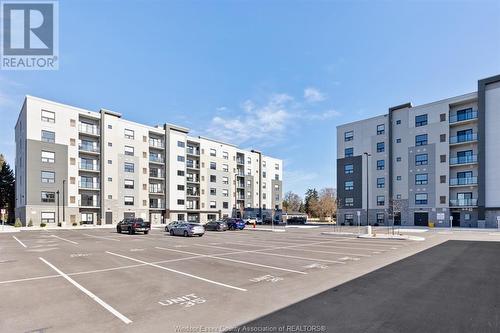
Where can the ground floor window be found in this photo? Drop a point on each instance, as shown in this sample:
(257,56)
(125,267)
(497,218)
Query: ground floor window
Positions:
(212,217)
(380,218)
(48,217)
(87,218)
(180,217)
(348,218)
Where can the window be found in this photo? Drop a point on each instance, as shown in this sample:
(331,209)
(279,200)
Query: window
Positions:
(48,156)
(129,150)
(421,120)
(249,171)
(110,144)
(380,182)
(348,168)
(380,200)
(225,205)
(180,158)
(225,155)
(129,134)
(421,199)
(442,179)
(48,217)
(442,158)
(129,183)
(225,167)
(349,202)
(398,159)
(180,201)
(48,136)
(128,200)
(181,144)
(249,160)
(225,180)
(421,179)
(110,126)
(264,185)
(442,117)
(442,199)
(349,136)
(264,174)
(380,218)
(380,129)
(276,177)
(348,152)
(349,185)
(421,159)
(48,196)
(213,152)
(442,138)
(398,177)
(128,167)
(213,178)
(48,177)
(421,140)
(180,173)
(48,116)
(349,219)
(213,191)
(380,147)
(276,166)
(213,204)
(264,164)
(380,165)
(398,122)
(398,140)
(225,192)
(213,165)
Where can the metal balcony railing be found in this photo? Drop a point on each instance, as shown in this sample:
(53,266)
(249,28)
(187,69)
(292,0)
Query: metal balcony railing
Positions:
(463,202)
(156,144)
(90,148)
(156,205)
(463,181)
(192,165)
(88,203)
(89,129)
(155,174)
(89,166)
(192,151)
(156,190)
(463,117)
(463,138)
(463,159)
(157,159)
(89,185)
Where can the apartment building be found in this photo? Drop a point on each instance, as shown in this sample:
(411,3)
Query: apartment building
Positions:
(437,162)
(78,166)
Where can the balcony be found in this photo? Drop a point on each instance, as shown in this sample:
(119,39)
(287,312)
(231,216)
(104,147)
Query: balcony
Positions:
(192,193)
(192,179)
(89,148)
(192,165)
(463,181)
(89,203)
(155,173)
(240,185)
(240,161)
(464,138)
(89,167)
(463,202)
(156,205)
(156,144)
(155,190)
(88,129)
(463,117)
(193,151)
(240,197)
(156,159)
(460,160)
(88,185)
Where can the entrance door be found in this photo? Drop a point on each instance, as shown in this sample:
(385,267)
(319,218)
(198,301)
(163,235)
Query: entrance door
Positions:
(456,219)
(397,218)
(421,219)
(109,217)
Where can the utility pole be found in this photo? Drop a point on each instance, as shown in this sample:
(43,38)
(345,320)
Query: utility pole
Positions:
(57,192)
(260,184)
(64,201)
(367,188)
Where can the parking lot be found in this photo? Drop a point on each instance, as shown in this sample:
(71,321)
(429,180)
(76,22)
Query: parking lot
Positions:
(98,280)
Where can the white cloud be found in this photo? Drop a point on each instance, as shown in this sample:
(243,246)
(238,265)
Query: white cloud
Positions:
(313,95)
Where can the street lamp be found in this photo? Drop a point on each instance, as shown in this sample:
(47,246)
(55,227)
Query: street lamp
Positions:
(367,187)
(57,192)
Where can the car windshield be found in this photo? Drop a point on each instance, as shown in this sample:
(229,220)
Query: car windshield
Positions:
(194,224)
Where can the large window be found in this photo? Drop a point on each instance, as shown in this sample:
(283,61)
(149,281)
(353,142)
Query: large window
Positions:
(48,177)
(348,168)
(181,158)
(421,159)
(380,147)
(213,204)
(349,185)
(421,120)
(48,217)
(129,201)
(348,152)
(48,156)
(213,178)
(128,167)
(225,193)
(213,165)
(48,116)
(380,164)
(213,191)
(129,183)
(213,152)
(380,200)
(349,202)
(380,218)
(225,167)
(181,144)
(421,140)
(349,136)
(349,219)
(421,179)
(380,182)
(129,134)
(129,150)
(225,180)
(225,155)
(48,136)
(380,129)
(48,196)
(421,199)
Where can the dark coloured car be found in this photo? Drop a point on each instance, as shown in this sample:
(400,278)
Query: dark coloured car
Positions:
(216,226)
(296,220)
(171,225)
(133,225)
(235,224)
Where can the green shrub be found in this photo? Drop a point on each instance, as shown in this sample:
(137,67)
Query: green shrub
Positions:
(30,223)
(18,223)
(42,225)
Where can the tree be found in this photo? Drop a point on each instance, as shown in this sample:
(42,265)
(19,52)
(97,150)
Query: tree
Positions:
(292,202)
(311,202)
(7,190)
(326,203)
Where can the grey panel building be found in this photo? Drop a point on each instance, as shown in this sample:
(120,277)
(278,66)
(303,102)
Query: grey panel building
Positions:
(437,162)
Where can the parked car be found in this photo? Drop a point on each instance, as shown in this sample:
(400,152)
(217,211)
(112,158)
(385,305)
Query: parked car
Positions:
(133,225)
(216,226)
(187,229)
(296,220)
(171,225)
(235,224)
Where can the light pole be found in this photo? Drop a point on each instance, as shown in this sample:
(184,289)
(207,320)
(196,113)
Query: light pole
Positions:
(64,201)
(57,192)
(367,187)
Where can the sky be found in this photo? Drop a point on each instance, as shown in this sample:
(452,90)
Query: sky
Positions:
(277,76)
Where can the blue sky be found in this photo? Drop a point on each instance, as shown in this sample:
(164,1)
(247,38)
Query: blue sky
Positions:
(272,75)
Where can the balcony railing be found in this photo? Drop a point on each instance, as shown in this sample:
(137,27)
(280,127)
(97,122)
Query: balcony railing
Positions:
(192,165)
(240,161)
(463,117)
(240,197)
(89,166)
(463,159)
(89,185)
(463,138)
(192,151)
(463,202)
(192,193)
(192,180)
(156,190)
(156,159)
(463,181)
(155,174)
(89,129)
(90,148)
(156,144)
(88,203)
(241,185)
(156,205)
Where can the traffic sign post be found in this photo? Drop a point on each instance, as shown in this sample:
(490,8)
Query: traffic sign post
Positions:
(451,221)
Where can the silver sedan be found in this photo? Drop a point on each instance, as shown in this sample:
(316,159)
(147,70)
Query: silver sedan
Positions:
(187,229)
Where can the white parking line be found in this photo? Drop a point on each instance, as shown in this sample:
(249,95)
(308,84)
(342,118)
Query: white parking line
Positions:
(102,237)
(88,293)
(233,260)
(24,245)
(63,239)
(178,272)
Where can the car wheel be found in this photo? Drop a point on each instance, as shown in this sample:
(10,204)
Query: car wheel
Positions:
(130,231)
(119,230)
(200,235)
(146,232)
(171,232)
(185,233)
